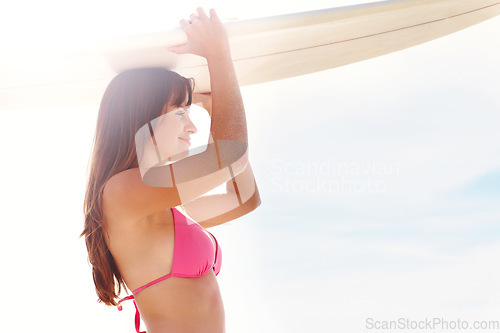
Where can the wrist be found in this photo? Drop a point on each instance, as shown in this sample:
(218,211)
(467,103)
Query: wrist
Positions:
(220,55)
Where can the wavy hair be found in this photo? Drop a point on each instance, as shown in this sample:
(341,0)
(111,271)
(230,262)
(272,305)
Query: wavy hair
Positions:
(132,99)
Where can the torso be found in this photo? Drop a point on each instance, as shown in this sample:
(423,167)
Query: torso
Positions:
(143,251)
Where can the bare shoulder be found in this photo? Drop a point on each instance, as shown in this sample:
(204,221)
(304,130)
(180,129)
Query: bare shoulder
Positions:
(127,199)
(114,194)
(120,184)
(121,179)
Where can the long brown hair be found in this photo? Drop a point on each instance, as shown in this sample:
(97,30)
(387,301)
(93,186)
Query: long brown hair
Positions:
(131,100)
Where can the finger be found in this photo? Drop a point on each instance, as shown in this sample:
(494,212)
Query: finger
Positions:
(213,14)
(201,13)
(193,17)
(184,23)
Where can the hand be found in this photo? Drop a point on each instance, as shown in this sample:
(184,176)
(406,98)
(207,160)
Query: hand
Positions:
(206,36)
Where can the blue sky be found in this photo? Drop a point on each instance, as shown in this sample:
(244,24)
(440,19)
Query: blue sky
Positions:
(412,135)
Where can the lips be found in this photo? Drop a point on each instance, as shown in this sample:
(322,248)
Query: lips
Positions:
(186,140)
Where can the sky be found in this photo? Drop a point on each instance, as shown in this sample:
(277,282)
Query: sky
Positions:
(379,181)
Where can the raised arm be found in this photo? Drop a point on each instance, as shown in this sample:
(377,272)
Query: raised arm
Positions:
(228,113)
(160,186)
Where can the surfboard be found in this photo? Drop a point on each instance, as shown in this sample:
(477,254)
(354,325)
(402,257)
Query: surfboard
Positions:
(263,49)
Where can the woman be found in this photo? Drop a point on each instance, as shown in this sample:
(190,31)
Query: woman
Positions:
(136,237)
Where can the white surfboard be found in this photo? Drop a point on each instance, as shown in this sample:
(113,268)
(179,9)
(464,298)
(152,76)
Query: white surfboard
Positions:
(263,49)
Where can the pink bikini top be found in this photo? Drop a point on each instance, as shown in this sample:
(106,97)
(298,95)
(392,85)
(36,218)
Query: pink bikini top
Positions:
(194,255)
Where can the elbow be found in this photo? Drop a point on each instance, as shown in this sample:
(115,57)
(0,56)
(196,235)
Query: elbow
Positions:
(233,153)
(240,164)
(240,160)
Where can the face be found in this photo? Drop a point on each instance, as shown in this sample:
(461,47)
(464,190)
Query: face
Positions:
(172,131)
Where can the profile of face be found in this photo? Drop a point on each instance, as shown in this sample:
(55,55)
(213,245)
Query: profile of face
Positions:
(171,135)
(172,131)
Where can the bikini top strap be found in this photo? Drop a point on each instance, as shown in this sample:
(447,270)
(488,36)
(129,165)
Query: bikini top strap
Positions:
(120,307)
(137,314)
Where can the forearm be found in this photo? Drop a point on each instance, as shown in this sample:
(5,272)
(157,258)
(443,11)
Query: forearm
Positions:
(230,186)
(241,198)
(207,38)
(247,207)
(228,113)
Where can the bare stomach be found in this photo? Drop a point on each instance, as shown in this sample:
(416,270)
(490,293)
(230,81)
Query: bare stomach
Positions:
(183,305)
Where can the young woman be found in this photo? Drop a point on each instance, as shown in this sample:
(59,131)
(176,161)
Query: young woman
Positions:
(136,235)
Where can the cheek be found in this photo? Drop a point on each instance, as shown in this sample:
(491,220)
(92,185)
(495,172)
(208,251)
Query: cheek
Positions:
(167,132)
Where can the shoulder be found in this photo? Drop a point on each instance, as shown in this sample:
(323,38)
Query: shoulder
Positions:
(120,181)
(117,189)
(127,198)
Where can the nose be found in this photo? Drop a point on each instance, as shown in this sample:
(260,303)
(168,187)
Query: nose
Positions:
(190,127)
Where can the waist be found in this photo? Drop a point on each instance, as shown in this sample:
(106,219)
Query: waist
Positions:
(179,301)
